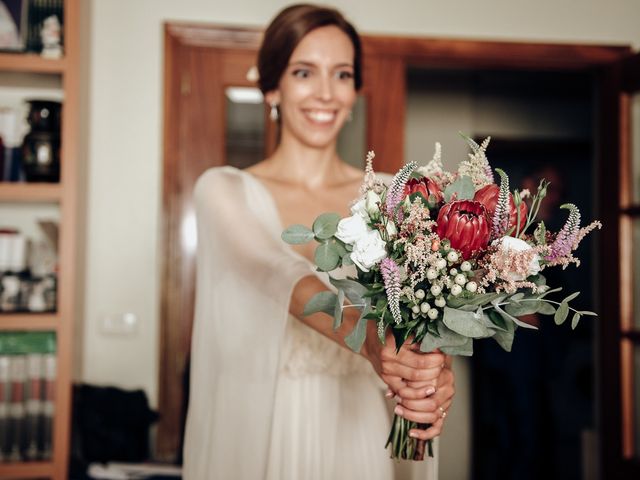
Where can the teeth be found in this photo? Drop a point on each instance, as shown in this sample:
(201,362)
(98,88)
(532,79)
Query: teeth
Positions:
(323,117)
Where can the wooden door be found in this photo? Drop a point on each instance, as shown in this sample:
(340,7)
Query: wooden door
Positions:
(620,325)
(194,141)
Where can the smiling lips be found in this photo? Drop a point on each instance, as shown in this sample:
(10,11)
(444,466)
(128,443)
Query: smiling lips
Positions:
(321,116)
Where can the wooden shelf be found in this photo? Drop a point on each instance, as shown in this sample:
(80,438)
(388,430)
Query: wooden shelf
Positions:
(30,192)
(26,470)
(31,62)
(29,321)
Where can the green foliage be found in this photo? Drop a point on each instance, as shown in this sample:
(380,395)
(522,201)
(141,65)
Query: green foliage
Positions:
(540,234)
(326,256)
(463,188)
(297,235)
(321,302)
(325,225)
(337,313)
(467,324)
(466,349)
(357,337)
(353,290)
(561,314)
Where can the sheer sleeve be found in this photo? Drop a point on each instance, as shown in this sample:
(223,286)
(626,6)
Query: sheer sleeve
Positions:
(245,277)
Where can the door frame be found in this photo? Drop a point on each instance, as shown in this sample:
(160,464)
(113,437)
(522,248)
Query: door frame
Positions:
(386,59)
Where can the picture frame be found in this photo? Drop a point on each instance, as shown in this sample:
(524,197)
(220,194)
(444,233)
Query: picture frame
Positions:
(13,25)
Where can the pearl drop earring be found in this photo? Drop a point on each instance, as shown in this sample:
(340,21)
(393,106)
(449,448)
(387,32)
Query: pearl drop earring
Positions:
(273,114)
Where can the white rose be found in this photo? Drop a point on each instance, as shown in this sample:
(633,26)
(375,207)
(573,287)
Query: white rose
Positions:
(368,250)
(372,203)
(360,208)
(517,245)
(351,229)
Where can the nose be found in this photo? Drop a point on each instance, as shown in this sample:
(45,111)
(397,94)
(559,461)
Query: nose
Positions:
(325,87)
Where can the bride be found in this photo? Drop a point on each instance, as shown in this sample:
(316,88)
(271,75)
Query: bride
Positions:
(274,394)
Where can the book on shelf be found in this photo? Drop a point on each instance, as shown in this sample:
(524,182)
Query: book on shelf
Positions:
(27,395)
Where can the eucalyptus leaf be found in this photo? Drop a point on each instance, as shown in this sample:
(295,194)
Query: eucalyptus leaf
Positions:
(463,189)
(588,313)
(524,308)
(359,333)
(545,308)
(465,350)
(571,297)
(297,235)
(337,314)
(468,324)
(444,337)
(561,314)
(346,260)
(505,338)
(494,320)
(538,279)
(575,320)
(475,301)
(340,249)
(321,302)
(516,297)
(326,225)
(515,320)
(326,257)
(353,290)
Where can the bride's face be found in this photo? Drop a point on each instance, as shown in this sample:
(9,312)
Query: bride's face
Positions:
(316,91)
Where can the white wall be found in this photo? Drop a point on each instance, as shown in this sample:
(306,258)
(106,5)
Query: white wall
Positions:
(123,132)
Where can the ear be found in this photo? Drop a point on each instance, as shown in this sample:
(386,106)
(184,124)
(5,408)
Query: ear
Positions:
(272,96)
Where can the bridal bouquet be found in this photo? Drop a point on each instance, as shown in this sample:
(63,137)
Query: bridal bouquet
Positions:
(442,258)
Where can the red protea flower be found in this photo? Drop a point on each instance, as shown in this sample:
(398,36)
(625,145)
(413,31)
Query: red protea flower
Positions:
(488,196)
(466,225)
(425,187)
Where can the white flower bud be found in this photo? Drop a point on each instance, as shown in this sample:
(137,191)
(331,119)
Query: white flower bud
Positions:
(415,309)
(472,286)
(440,302)
(432,274)
(425,307)
(465,267)
(432,314)
(452,256)
(453,272)
(436,290)
(460,279)
(372,203)
(420,294)
(456,290)
(442,263)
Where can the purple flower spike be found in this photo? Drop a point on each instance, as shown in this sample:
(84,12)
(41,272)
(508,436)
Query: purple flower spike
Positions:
(391,276)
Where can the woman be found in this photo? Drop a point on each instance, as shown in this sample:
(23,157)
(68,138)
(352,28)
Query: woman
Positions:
(275,394)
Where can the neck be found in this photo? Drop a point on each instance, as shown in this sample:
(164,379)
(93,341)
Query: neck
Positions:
(294,162)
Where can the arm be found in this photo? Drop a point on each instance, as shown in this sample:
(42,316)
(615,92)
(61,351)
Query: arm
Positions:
(418,378)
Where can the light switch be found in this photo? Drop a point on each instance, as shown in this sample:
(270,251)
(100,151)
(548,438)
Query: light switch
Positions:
(120,324)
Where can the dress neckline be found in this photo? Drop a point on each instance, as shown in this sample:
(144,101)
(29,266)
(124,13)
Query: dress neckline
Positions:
(271,201)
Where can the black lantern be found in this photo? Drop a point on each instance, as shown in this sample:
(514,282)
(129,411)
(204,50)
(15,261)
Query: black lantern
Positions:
(41,146)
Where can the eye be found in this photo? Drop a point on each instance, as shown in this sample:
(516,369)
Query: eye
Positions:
(345,75)
(301,73)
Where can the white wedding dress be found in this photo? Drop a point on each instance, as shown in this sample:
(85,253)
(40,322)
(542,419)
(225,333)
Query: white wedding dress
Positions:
(271,398)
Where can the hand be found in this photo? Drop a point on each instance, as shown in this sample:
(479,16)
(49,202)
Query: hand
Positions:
(432,410)
(410,374)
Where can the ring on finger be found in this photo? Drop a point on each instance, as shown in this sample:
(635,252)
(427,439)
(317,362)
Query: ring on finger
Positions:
(443,412)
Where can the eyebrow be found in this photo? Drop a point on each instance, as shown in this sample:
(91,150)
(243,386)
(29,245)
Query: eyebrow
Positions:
(311,64)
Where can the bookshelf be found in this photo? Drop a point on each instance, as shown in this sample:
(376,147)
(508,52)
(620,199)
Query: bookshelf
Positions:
(64,194)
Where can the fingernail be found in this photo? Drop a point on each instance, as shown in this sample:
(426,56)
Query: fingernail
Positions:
(389,394)
(398,410)
(413,435)
(430,391)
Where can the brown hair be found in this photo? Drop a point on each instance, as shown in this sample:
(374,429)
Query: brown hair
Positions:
(287,29)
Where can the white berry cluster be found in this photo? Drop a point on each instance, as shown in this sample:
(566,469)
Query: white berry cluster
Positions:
(443,277)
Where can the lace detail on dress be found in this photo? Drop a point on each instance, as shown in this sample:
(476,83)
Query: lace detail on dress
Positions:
(306,351)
